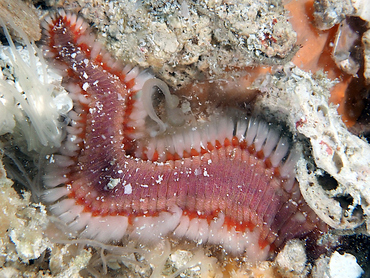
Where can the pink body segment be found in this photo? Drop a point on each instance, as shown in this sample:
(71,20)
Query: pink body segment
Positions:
(223,182)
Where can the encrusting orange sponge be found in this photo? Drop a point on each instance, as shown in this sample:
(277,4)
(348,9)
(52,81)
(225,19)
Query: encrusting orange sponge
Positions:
(316,54)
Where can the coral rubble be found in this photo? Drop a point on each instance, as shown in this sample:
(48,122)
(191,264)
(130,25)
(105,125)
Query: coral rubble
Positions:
(335,151)
(182,41)
(23,16)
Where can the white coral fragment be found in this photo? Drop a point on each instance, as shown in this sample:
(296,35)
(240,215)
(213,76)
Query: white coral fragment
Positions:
(344,156)
(293,257)
(344,266)
(366,42)
(362,9)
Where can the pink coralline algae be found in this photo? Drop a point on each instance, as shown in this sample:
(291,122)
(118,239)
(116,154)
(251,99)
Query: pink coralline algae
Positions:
(226,181)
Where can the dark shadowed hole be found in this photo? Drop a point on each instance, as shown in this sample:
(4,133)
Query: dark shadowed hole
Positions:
(358,212)
(327,181)
(13,159)
(344,200)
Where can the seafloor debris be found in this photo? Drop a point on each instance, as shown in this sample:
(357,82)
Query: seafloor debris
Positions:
(344,44)
(22,225)
(23,16)
(293,258)
(184,40)
(329,13)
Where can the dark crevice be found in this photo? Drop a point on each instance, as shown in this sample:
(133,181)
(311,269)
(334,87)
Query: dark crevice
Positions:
(327,181)
(345,201)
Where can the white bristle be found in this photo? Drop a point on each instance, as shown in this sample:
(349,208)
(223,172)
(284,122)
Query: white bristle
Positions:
(150,149)
(221,132)
(46,24)
(182,228)
(271,142)
(160,147)
(251,131)
(63,161)
(178,143)
(127,69)
(79,23)
(73,115)
(280,151)
(132,74)
(288,185)
(215,226)
(73,130)
(96,48)
(52,181)
(62,206)
(83,99)
(84,39)
(71,214)
(261,135)
(287,169)
(138,113)
(203,231)
(72,147)
(92,228)
(75,124)
(187,142)
(48,54)
(241,128)
(117,65)
(84,27)
(111,228)
(73,19)
(202,138)
(49,22)
(73,88)
(62,13)
(66,151)
(193,229)
(80,222)
(118,226)
(196,140)
(106,57)
(211,131)
(169,145)
(54,194)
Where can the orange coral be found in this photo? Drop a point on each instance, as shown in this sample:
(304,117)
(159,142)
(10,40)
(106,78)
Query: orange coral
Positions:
(316,54)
